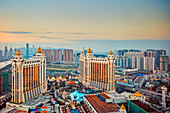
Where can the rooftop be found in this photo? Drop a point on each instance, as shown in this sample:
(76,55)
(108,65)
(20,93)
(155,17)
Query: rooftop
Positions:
(122,107)
(76,96)
(117,96)
(37,100)
(105,96)
(138,94)
(126,93)
(111,52)
(82,52)
(100,106)
(70,82)
(8,109)
(139,74)
(39,50)
(125,84)
(144,106)
(89,51)
(18,52)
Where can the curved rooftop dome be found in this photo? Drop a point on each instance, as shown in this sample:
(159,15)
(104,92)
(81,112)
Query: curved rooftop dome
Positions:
(39,50)
(89,51)
(18,52)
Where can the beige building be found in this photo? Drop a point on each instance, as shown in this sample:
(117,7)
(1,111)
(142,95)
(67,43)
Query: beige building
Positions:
(164,63)
(28,76)
(54,55)
(48,54)
(97,72)
(67,55)
(149,63)
(57,55)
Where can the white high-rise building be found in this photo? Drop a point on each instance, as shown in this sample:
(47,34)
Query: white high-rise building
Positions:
(140,63)
(28,76)
(97,72)
(149,63)
(134,62)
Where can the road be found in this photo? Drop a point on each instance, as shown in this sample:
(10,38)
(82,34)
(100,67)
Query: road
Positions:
(153,92)
(69,69)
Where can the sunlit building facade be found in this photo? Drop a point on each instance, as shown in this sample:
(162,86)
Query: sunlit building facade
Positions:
(28,76)
(67,55)
(97,72)
(59,55)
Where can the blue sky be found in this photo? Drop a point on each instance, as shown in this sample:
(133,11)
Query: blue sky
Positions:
(100,24)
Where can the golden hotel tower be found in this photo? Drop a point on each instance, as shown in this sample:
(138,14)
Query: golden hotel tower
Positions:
(97,72)
(29,76)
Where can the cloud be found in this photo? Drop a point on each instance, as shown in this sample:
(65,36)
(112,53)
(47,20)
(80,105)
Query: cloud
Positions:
(48,37)
(27,32)
(78,33)
(16,32)
(70,33)
(73,36)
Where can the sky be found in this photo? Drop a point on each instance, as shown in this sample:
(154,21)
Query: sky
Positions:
(102,25)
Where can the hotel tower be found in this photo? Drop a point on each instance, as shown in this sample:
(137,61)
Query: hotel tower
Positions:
(97,72)
(28,76)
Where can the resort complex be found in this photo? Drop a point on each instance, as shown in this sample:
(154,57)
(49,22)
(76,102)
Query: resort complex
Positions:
(97,86)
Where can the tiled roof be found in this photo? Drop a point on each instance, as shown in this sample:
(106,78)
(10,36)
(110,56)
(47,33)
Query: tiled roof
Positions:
(71,83)
(100,106)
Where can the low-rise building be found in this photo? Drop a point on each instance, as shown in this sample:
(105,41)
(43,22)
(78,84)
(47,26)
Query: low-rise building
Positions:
(97,104)
(115,97)
(136,106)
(108,101)
(31,104)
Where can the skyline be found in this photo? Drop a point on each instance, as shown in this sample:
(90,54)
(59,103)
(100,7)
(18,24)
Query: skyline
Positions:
(111,45)
(74,24)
